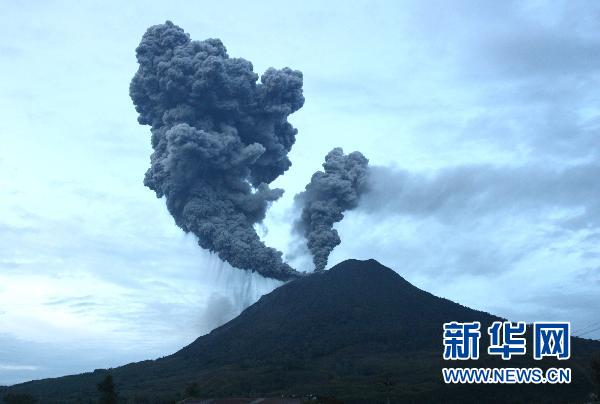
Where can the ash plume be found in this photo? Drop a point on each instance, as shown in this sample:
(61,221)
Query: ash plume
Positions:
(330,193)
(219,138)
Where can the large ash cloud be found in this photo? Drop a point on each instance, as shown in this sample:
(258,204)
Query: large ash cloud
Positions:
(330,193)
(219,138)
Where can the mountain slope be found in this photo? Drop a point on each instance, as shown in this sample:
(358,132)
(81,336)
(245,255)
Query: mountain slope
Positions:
(356,302)
(359,332)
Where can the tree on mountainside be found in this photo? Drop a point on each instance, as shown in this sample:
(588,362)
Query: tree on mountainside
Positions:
(596,371)
(106,387)
(14,398)
(192,390)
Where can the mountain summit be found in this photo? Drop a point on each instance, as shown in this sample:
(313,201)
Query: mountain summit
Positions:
(354,304)
(358,332)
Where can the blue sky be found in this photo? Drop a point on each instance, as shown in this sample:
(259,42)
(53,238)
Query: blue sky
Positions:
(487,113)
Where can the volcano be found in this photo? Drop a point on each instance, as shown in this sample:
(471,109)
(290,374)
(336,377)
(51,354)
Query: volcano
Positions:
(358,332)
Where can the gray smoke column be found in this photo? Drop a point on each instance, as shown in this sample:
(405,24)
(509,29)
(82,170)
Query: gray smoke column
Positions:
(326,197)
(219,138)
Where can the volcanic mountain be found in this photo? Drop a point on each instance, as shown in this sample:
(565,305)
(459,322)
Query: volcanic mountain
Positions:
(358,332)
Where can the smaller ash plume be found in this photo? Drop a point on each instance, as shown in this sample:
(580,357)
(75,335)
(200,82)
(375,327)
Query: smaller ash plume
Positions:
(326,197)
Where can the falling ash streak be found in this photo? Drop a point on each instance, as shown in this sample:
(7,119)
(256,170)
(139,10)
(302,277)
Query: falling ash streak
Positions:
(243,288)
